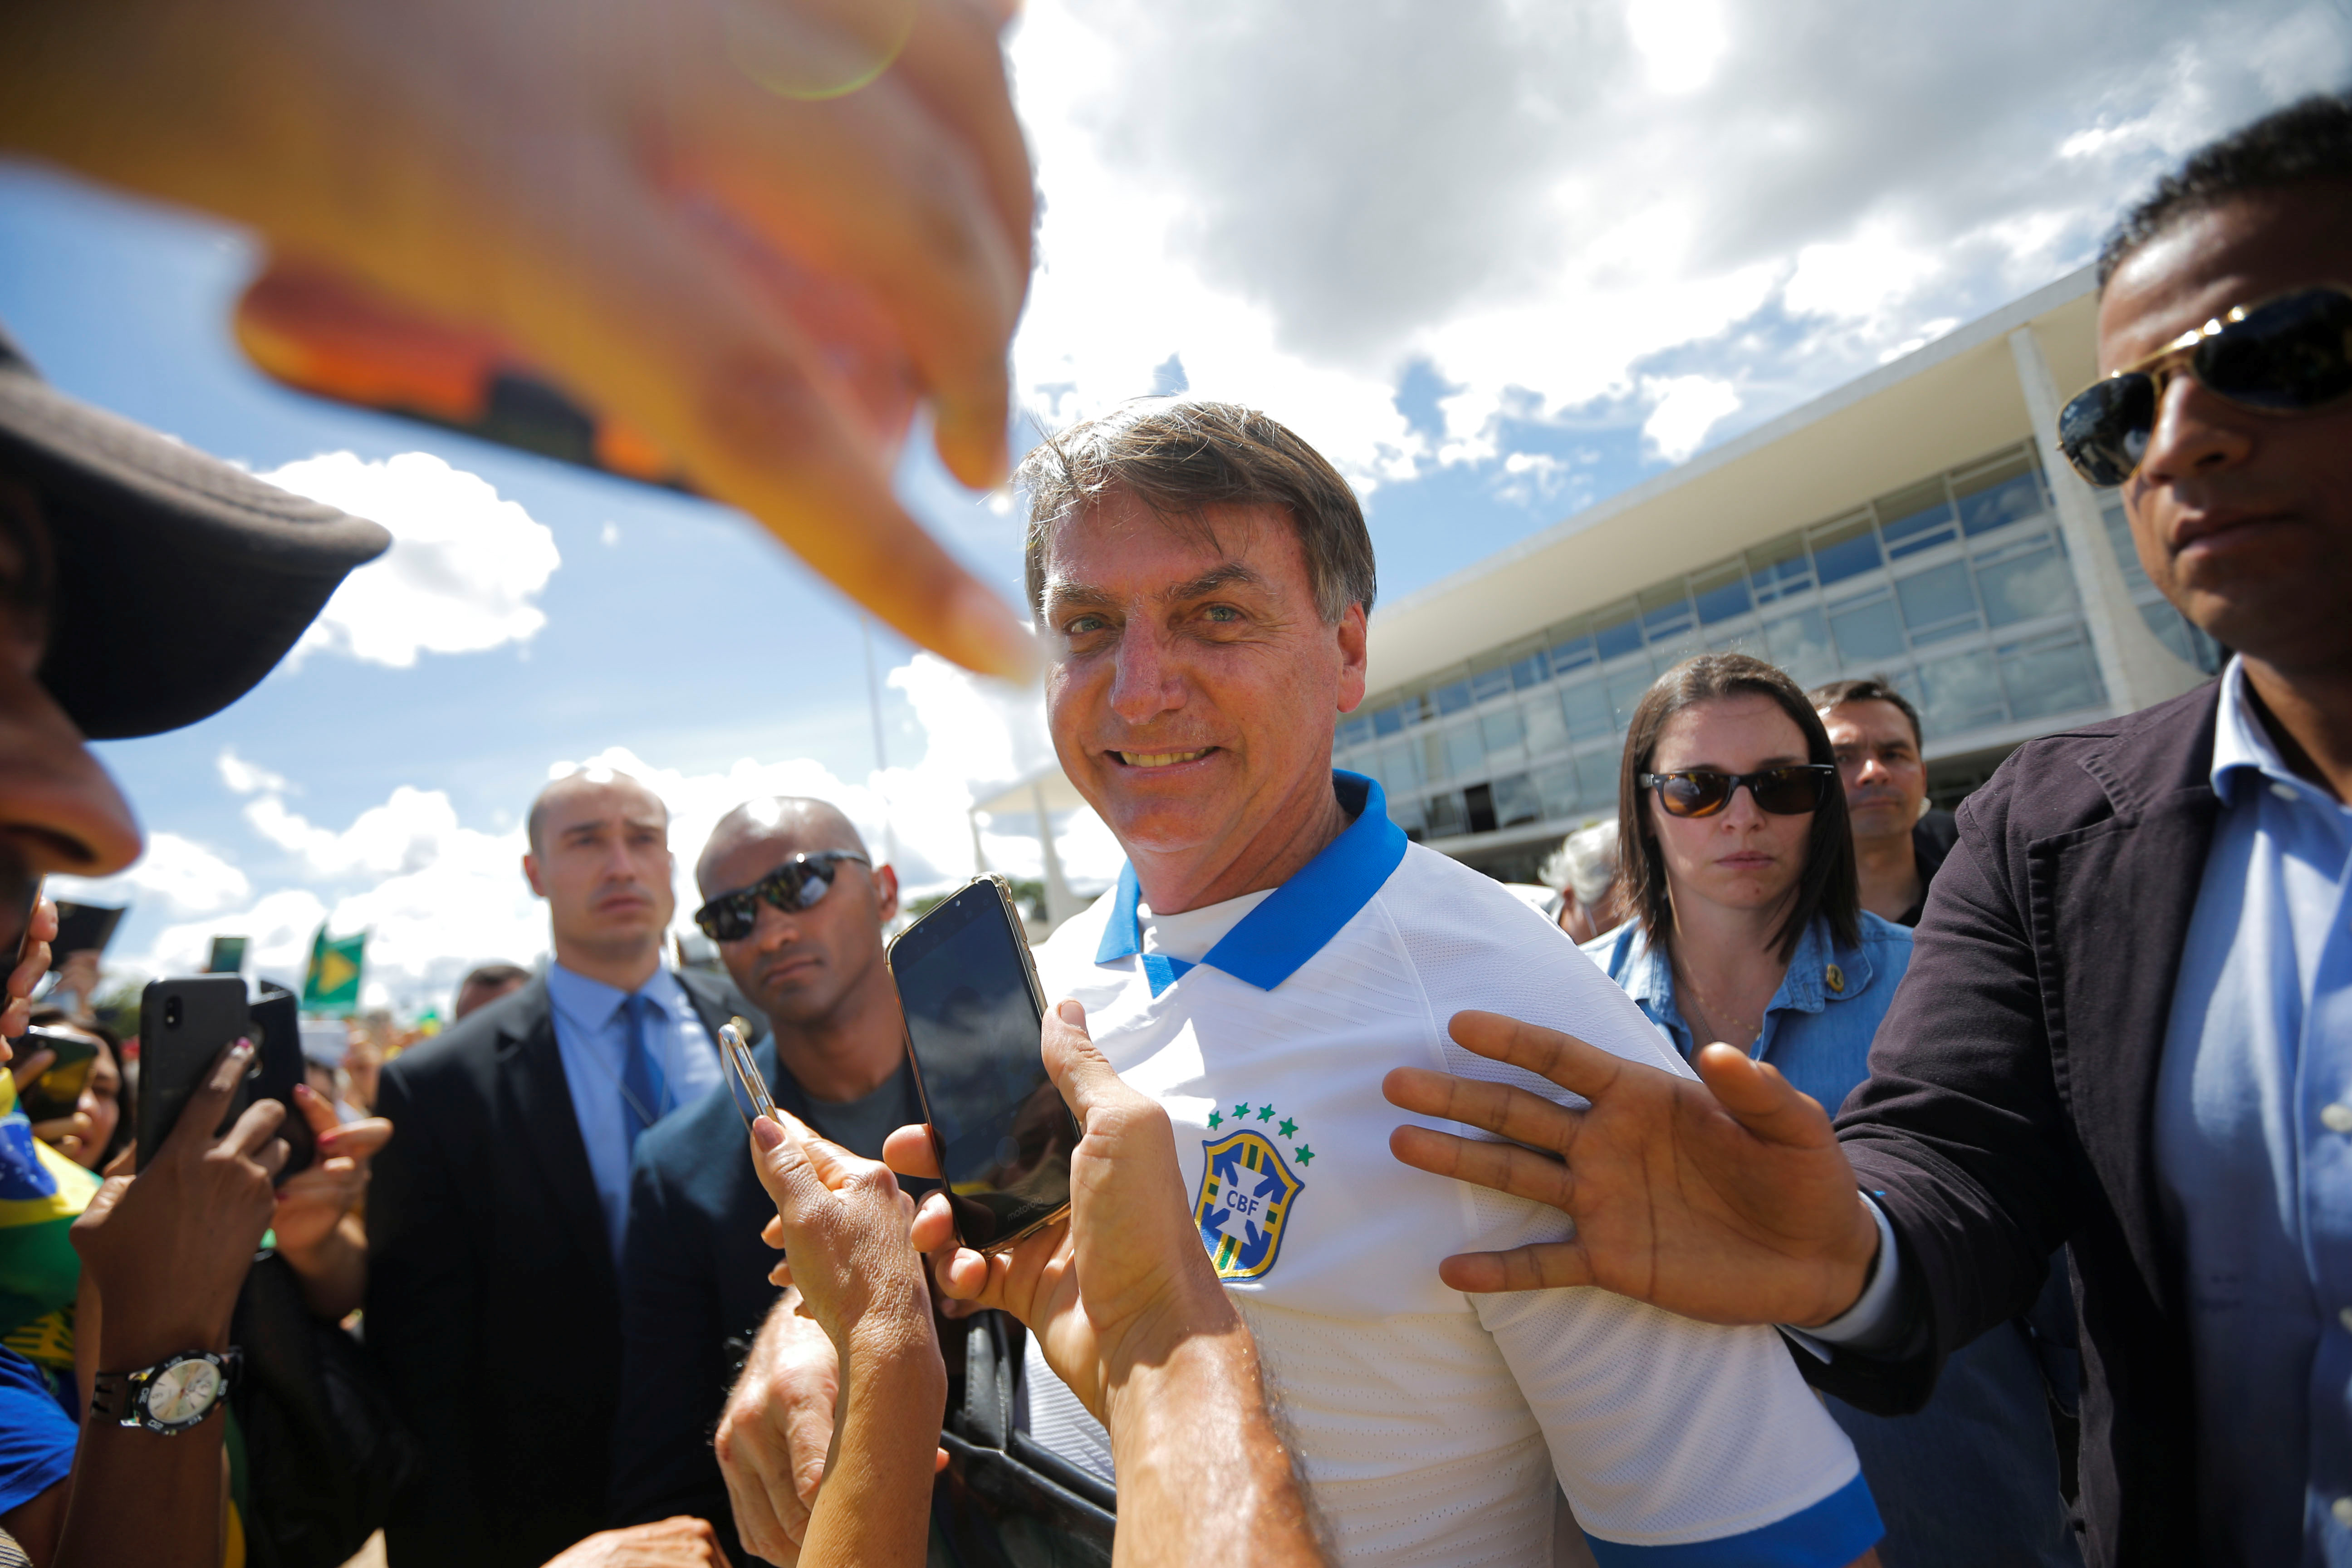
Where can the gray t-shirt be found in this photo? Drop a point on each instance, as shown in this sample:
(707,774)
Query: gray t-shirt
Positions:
(860,1125)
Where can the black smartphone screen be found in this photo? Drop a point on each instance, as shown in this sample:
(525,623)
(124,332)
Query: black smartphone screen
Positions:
(183,1025)
(1003,1134)
(278,1067)
(57,1091)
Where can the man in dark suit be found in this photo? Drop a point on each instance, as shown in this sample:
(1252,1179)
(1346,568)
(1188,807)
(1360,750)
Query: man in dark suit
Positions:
(493,1298)
(797,908)
(2128,1022)
(1898,844)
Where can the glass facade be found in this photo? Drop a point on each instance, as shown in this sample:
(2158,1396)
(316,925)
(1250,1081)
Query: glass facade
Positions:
(1955,588)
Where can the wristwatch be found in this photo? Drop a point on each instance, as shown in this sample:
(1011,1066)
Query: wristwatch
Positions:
(172,1396)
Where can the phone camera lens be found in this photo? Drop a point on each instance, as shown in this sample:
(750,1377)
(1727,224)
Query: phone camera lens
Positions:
(171,1012)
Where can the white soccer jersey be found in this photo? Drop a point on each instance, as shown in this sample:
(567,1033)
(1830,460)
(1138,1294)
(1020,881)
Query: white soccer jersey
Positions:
(1431,1423)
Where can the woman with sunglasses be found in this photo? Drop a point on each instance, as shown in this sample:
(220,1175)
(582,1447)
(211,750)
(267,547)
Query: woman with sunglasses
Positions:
(1737,861)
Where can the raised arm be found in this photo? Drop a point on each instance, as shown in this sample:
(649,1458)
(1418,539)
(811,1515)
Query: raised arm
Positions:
(845,1226)
(1129,1314)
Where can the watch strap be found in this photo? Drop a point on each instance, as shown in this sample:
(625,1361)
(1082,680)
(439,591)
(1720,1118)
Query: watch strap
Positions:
(114,1397)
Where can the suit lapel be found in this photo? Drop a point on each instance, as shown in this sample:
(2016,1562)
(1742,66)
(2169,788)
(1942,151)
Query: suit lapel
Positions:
(2110,905)
(538,1095)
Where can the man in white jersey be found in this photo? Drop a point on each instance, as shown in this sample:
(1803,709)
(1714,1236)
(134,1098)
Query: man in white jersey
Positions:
(1272,949)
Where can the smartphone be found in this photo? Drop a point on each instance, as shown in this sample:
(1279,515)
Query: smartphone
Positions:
(184,1025)
(57,1091)
(82,928)
(973,1013)
(278,1067)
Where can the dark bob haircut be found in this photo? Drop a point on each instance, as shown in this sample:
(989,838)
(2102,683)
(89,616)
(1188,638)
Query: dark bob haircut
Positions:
(1827,886)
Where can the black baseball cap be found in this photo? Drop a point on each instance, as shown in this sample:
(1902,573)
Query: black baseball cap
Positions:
(180,581)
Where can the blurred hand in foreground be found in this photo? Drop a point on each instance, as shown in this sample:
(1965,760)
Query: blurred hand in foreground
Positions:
(1126,1275)
(1130,1314)
(681,1542)
(168,1248)
(32,963)
(678,212)
(317,1222)
(772,1438)
(845,1223)
(1726,1200)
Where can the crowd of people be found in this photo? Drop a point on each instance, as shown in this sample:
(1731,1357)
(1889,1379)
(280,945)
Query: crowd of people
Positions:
(1553,1251)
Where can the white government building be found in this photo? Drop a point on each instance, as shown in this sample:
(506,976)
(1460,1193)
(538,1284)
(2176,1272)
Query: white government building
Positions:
(1917,523)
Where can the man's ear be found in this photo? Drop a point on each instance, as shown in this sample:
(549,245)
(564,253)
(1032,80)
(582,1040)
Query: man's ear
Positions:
(1355,658)
(530,875)
(886,894)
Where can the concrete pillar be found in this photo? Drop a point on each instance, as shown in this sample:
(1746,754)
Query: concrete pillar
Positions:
(1060,902)
(2137,669)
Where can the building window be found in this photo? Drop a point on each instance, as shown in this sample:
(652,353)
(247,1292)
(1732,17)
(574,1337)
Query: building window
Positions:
(1937,603)
(1618,633)
(1502,729)
(2005,490)
(1516,801)
(1780,569)
(1844,549)
(1586,707)
(1453,699)
(1465,757)
(1625,690)
(1445,816)
(1800,644)
(1489,683)
(1546,730)
(1866,630)
(1721,594)
(1959,693)
(2024,581)
(2050,674)
(1916,520)
(1532,670)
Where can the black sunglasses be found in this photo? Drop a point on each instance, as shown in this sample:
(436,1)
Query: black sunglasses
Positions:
(1784,792)
(2284,356)
(800,883)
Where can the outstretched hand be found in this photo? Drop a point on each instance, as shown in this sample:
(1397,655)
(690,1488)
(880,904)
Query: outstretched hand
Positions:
(1125,1279)
(734,228)
(1727,1199)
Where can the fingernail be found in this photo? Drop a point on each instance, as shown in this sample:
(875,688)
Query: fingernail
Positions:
(766,1133)
(1069,1011)
(244,1047)
(985,636)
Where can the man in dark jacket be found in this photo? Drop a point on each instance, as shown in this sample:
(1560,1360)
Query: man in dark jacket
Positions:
(2128,1022)
(493,1296)
(797,909)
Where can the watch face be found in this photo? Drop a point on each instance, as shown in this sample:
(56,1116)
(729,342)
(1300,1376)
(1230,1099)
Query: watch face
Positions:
(183,1393)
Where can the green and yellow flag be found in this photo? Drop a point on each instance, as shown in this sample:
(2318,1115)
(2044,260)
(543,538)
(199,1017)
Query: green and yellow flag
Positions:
(332,986)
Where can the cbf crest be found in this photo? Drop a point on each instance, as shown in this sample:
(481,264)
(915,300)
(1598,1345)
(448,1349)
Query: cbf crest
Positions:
(1247,1193)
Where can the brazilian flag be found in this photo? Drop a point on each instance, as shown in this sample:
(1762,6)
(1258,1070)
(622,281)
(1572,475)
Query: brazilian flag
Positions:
(333,984)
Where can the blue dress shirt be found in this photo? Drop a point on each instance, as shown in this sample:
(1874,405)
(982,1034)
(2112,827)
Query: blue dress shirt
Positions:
(1972,1477)
(2253,1155)
(592,1034)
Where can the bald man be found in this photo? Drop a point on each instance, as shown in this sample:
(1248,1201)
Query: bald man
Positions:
(796,906)
(494,1297)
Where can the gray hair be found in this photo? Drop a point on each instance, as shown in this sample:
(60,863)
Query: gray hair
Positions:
(1584,864)
(1181,459)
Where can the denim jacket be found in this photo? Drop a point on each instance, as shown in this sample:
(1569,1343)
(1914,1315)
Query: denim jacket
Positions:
(1820,1023)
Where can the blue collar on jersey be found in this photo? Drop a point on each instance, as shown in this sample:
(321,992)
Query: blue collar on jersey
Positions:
(1302,914)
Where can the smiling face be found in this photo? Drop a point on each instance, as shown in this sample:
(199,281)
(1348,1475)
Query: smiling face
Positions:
(600,858)
(797,967)
(1194,689)
(2243,519)
(1741,858)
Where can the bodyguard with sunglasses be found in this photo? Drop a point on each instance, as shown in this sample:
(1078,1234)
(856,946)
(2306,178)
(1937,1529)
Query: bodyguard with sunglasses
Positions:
(1747,928)
(2127,1023)
(796,907)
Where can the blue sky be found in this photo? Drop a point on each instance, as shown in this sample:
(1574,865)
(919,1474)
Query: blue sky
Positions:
(1497,262)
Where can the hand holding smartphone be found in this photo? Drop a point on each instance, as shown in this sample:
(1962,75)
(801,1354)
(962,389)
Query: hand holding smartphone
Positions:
(186,1023)
(974,1011)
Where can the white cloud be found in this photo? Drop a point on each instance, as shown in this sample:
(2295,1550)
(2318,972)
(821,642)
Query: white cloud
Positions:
(1299,200)
(463,570)
(1689,407)
(438,895)
(187,876)
(246,778)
